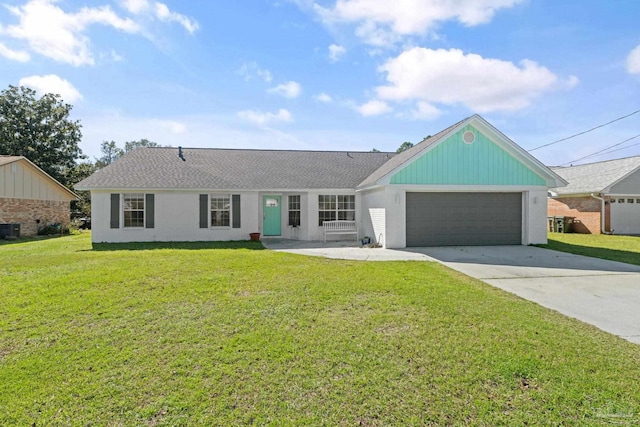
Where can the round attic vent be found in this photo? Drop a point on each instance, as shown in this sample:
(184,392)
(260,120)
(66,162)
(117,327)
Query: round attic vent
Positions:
(468,137)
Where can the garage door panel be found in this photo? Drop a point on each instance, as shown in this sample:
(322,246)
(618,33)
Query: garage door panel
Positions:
(625,217)
(440,219)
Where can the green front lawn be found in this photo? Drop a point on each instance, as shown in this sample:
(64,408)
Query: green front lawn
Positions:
(217,334)
(612,247)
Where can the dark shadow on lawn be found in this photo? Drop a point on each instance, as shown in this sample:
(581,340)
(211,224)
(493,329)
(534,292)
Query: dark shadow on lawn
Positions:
(149,246)
(603,253)
(28,239)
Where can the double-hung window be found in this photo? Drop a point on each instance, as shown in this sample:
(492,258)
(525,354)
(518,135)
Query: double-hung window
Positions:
(220,210)
(294,211)
(336,207)
(133,209)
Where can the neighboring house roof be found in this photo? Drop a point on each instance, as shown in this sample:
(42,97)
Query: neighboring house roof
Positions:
(382,175)
(232,169)
(595,177)
(5,160)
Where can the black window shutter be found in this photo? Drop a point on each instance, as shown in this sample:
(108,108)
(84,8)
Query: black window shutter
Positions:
(235,210)
(149,209)
(204,214)
(115,210)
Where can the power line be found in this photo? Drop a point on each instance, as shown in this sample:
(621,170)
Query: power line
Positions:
(607,150)
(623,148)
(586,131)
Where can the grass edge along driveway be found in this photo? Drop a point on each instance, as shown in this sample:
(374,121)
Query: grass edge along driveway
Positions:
(612,247)
(230,334)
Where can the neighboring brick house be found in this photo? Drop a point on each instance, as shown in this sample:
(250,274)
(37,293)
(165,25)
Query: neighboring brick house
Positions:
(601,196)
(30,197)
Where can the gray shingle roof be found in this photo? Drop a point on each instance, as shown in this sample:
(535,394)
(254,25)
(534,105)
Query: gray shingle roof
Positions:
(595,177)
(161,168)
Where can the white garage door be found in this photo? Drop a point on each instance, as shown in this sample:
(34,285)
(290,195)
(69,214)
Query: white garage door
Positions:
(461,219)
(625,215)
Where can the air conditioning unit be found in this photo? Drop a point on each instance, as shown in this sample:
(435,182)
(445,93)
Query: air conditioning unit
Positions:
(10,231)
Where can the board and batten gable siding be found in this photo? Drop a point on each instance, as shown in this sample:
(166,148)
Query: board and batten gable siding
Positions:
(628,185)
(20,180)
(454,162)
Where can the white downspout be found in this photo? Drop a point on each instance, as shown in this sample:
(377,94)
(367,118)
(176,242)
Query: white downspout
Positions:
(602,230)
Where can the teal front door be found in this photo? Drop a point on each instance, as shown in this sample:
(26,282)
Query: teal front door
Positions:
(271,211)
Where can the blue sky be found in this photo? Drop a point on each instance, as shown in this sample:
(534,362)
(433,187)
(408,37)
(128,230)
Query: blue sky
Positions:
(333,75)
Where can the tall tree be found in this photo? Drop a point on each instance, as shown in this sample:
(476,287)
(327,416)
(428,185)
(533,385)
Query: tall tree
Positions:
(79,172)
(39,129)
(110,153)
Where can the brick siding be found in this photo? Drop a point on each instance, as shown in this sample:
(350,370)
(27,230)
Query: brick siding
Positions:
(586,212)
(26,212)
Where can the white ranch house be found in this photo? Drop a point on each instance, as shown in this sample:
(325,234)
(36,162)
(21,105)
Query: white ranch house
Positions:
(467,185)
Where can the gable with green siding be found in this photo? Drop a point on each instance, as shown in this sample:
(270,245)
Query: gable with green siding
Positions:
(453,162)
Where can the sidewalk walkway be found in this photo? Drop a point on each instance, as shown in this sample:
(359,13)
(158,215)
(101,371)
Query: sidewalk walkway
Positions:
(350,250)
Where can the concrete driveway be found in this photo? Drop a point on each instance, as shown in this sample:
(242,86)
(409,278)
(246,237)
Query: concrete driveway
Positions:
(603,293)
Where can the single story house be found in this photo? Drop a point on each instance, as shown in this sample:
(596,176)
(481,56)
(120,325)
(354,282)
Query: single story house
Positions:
(467,185)
(31,197)
(602,197)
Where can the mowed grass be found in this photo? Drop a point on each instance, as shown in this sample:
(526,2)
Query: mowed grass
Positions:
(612,247)
(230,334)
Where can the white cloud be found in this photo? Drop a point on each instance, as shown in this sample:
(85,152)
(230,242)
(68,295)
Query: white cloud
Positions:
(115,56)
(172,126)
(265,118)
(14,55)
(336,52)
(249,70)
(265,75)
(374,108)
(164,14)
(633,61)
(323,97)
(62,36)
(136,6)
(160,11)
(288,90)
(450,77)
(425,111)
(52,84)
(59,35)
(381,21)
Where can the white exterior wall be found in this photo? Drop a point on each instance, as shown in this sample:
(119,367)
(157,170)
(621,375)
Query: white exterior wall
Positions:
(176,219)
(380,214)
(534,215)
(383,216)
(371,216)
